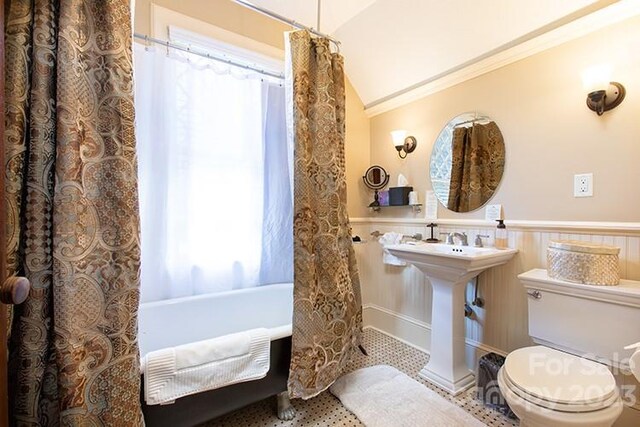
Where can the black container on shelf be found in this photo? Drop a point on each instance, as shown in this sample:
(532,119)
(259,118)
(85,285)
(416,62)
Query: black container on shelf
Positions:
(399,196)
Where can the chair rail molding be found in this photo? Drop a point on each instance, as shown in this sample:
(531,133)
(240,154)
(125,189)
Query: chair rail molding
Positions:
(590,227)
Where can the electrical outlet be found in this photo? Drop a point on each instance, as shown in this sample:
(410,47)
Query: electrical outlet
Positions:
(583,185)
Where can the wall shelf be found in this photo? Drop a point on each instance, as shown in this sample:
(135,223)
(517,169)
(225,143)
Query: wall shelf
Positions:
(416,208)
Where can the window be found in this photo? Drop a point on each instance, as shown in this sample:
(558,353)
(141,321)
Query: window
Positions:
(215,176)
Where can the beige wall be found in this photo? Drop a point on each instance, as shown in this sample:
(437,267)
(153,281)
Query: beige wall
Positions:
(221,13)
(550,135)
(232,17)
(358,154)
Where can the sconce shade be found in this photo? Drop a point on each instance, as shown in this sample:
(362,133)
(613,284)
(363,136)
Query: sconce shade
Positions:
(397,137)
(596,78)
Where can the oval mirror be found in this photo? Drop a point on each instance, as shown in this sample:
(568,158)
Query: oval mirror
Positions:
(467,162)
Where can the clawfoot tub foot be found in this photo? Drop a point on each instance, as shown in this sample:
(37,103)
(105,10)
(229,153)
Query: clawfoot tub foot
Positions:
(286,412)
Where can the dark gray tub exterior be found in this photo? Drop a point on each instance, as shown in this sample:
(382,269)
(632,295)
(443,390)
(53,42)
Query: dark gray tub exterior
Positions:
(198,408)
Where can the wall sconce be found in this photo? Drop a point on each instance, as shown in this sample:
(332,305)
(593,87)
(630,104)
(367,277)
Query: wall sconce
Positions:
(604,95)
(403,143)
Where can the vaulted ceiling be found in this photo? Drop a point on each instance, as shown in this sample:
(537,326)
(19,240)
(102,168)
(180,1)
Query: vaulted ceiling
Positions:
(396,47)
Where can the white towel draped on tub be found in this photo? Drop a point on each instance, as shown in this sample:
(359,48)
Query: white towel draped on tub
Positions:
(390,239)
(200,366)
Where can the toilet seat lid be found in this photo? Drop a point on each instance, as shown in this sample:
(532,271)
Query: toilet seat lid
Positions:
(555,379)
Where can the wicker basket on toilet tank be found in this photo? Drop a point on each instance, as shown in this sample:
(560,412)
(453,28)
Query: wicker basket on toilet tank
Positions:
(583,262)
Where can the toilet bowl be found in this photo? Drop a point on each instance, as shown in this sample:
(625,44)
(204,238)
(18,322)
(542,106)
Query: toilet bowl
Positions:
(546,387)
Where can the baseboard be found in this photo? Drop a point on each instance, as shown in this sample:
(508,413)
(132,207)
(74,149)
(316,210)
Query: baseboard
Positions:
(424,350)
(415,333)
(410,331)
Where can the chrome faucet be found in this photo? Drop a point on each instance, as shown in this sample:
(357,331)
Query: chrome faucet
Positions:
(462,236)
(479,240)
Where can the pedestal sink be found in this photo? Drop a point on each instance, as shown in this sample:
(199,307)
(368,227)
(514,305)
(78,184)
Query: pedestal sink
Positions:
(449,268)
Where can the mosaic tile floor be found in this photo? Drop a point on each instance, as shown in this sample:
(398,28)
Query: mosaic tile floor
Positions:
(326,410)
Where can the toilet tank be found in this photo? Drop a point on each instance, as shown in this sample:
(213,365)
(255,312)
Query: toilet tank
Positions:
(595,322)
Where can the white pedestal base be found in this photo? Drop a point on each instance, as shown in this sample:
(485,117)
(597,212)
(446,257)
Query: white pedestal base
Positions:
(447,366)
(455,388)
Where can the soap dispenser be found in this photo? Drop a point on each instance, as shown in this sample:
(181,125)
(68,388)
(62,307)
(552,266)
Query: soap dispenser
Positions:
(501,235)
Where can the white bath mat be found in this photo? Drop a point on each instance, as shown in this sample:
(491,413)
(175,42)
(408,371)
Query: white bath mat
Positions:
(382,396)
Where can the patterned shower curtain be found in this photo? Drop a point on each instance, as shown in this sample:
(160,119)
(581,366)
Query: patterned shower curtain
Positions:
(72,207)
(477,162)
(327,311)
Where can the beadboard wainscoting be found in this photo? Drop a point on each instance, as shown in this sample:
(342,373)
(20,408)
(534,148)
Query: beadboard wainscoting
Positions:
(397,300)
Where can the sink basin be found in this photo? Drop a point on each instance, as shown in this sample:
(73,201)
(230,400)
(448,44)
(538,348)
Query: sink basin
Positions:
(450,250)
(451,262)
(449,268)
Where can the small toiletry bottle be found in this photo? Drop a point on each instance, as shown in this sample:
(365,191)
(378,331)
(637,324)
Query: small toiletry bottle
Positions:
(501,235)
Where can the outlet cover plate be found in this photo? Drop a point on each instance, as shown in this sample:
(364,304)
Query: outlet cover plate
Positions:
(583,185)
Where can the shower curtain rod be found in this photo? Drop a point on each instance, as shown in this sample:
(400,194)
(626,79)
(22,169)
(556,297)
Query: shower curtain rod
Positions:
(207,55)
(288,21)
(466,122)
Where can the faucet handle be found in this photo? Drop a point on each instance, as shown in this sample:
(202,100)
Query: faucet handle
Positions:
(479,237)
(449,239)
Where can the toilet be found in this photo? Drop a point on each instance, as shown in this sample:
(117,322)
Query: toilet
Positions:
(558,381)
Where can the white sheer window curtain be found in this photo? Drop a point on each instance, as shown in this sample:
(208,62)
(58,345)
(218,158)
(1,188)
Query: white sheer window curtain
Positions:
(214,168)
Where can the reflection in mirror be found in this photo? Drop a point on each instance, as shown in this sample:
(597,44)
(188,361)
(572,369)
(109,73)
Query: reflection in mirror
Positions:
(375,178)
(467,162)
